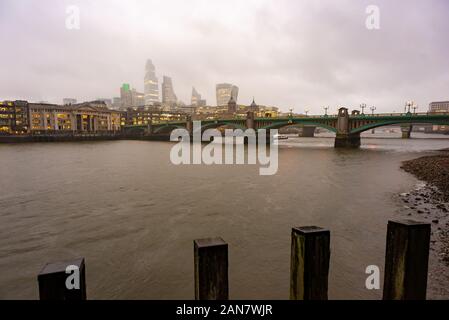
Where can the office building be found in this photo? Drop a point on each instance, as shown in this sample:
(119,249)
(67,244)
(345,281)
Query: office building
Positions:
(439,107)
(14,117)
(224,91)
(151,86)
(196,100)
(168,94)
(130,97)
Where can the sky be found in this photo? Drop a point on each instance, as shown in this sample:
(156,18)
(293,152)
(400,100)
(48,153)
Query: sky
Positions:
(288,53)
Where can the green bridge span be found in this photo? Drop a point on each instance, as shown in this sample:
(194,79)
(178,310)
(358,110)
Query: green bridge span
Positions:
(347,127)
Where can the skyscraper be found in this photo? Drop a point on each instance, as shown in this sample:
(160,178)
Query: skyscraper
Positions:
(224,91)
(151,87)
(168,94)
(196,99)
(130,97)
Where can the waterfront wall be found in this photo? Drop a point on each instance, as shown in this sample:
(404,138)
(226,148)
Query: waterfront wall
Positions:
(82,137)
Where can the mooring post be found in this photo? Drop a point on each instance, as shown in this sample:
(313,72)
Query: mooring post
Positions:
(309,266)
(406,260)
(211,269)
(64,280)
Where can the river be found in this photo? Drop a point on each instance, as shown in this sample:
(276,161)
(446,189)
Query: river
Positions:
(133,215)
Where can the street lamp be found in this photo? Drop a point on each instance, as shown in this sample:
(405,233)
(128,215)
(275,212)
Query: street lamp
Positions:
(306,112)
(372,110)
(408,105)
(414,108)
(325,110)
(363,106)
(291,112)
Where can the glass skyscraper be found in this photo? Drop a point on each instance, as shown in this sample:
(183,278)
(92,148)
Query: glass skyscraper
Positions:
(168,94)
(224,92)
(151,87)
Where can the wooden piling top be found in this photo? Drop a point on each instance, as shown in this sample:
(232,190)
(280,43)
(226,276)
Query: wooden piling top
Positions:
(410,222)
(210,242)
(57,267)
(310,230)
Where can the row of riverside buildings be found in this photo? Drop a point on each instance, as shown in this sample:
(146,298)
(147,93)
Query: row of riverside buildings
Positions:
(22,117)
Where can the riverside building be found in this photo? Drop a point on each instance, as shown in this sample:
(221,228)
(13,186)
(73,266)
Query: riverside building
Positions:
(46,118)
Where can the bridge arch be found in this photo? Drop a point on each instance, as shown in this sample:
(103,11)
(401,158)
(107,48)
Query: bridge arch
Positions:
(217,124)
(374,125)
(167,128)
(298,123)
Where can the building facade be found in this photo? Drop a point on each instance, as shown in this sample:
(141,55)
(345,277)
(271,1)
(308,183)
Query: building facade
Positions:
(149,114)
(224,91)
(45,118)
(151,85)
(439,107)
(14,117)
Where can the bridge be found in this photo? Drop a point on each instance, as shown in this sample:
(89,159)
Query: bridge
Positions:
(347,127)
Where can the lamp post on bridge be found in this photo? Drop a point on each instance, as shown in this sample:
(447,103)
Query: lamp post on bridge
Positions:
(306,111)
(363,106)
(414,108)
(408,105)
(325,110)
(372,113)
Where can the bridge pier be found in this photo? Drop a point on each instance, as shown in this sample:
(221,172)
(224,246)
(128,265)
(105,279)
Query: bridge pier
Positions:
(250,123)
(344,138)
(406,131)
(307,132)
(347,140)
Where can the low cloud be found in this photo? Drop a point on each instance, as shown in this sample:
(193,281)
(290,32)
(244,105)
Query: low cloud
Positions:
(300,54)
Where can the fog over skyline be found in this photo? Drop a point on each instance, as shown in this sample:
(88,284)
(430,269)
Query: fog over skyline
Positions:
(300,54)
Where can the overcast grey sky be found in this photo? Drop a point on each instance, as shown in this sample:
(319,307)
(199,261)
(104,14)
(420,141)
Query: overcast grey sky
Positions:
(296,53)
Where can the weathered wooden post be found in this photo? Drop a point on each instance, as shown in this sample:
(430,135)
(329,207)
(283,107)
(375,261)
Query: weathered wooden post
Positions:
(309,268)
(406,260)
(211,269)
(64,280)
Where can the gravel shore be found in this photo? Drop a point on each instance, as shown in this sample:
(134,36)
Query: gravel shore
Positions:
(430,202)
(433,170)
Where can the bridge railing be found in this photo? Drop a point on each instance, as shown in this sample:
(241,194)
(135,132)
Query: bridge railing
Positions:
(306,117)
(402,114)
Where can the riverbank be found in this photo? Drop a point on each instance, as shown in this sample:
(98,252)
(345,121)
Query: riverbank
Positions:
(9,139)
(434,170)
(429,201)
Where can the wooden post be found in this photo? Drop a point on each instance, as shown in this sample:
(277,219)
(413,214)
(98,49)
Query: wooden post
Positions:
(309,268)
(406,260)
(53,277)
(211,269)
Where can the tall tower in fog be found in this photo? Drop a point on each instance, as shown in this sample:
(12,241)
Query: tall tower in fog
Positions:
(196,97)
(168,93)
(151,87)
